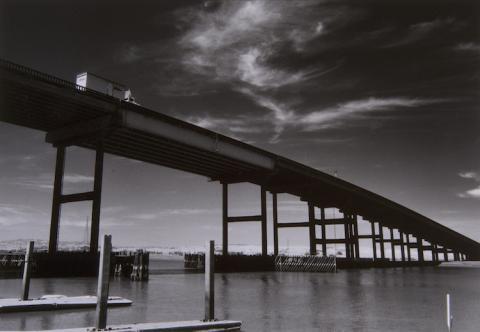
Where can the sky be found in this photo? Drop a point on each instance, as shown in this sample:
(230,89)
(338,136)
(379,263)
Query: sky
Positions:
(385,94)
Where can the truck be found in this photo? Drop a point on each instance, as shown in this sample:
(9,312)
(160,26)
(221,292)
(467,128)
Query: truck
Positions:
(103,85)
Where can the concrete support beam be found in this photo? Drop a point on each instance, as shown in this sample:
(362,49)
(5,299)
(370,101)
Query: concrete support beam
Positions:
(356,242)
(421,257)
(324,231)
(97,199)
(263,201)
(275,223)
(374,243)
(225,219)
(409,255)
(56,203)
(392,244)
(402,247)
(311,228)
(382,244)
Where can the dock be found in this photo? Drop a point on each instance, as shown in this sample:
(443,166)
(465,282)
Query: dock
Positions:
(56,302)
(185,326)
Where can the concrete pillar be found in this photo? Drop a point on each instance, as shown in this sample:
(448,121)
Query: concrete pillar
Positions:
(225,219)
(402,247)
(421,257)
(324,231)
(263,199)
(275,223)
(97,190)
(374,240)
(409,256)
(382,244)
(348,251)
(445,254)
(392,244)
(210,281)
(355,230)
(103,283)
(26,271)
(311,228)
(56,200)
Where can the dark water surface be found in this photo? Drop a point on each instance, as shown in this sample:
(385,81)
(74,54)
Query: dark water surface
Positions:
(409,299)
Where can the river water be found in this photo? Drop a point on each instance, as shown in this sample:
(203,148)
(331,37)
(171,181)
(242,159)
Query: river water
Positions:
(400,299)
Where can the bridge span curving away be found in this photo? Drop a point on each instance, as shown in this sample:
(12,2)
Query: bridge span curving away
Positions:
(73,115)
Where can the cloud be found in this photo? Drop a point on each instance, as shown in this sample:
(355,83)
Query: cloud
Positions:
(332,116)
(239,43)
(469,175)
(15,214)
(171,212)
(472,193)
(419,31)
(468,47)
(44,181)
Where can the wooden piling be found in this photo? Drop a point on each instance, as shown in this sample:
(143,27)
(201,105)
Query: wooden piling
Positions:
(209,281)
(26,271)
(103,283)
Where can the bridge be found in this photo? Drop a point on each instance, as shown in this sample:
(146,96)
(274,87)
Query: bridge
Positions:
(73,115)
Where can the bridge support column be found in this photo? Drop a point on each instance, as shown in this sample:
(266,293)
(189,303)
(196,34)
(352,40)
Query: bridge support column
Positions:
(263,199)
(348,243)
(420,249)
(324,231)
(355,231)
(456,256)
(58,198)
(275,223)
(311,228)
(374,241)
(392,244)
(382,243)
(56,203)
(409,256)
(402,246)
(226,219)
(97,198)
(434,253)
(445,254)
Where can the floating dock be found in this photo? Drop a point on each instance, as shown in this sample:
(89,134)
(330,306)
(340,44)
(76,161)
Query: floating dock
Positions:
(56,302)
(185,326)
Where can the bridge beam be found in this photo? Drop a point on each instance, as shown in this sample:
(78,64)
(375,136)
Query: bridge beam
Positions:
(374,242)
(392,244)
(324,231)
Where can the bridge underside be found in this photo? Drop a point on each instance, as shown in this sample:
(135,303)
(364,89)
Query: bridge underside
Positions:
(71,115)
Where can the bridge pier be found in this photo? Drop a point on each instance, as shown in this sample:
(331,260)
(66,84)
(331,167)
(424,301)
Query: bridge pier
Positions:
(382,243)
(311,228)
(226,219)
(374,240)
(59,198)
(402,246)
(392,244)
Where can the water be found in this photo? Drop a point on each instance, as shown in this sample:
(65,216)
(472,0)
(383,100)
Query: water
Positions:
(410,299)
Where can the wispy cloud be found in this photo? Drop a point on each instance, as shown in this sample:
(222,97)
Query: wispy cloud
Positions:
(15,214)
(170,212)
(332,116)
(44,181)
(237,43)
(471,193)
(468,47)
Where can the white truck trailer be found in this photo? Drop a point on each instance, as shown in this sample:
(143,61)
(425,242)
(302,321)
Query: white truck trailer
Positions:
(100,84)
